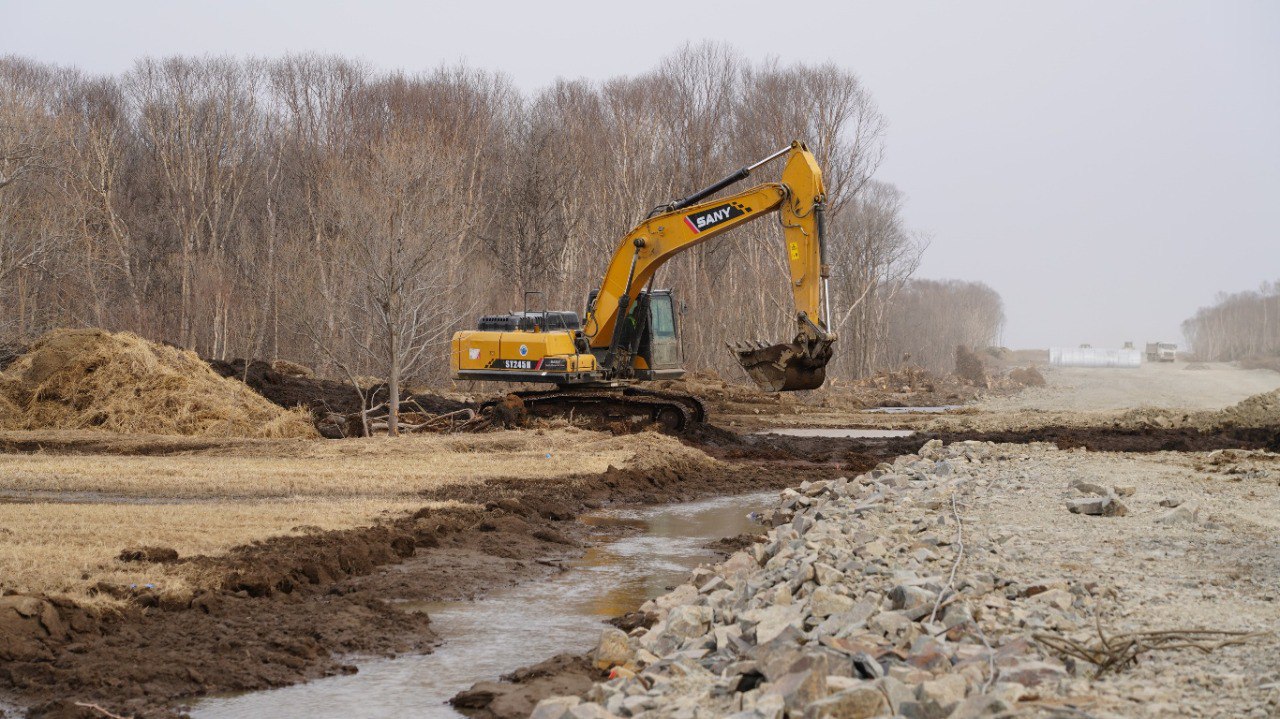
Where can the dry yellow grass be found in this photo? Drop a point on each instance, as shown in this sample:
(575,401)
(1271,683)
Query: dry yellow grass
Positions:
(64,549)
(373,467)
(214,495)
(120,382)
(7,408)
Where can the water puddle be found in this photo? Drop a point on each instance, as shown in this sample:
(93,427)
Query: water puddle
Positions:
(838,432)
(914,410)
(648,550)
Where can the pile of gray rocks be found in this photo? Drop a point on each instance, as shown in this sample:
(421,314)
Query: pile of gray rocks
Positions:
(865,599)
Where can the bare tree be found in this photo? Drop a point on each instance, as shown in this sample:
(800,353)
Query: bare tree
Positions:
(35,224)
(311,207)
(400,216)
(930,319)
(873,257)
(1237,326)
(198,119)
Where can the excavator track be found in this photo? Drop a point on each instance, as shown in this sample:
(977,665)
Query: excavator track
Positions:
(675,411)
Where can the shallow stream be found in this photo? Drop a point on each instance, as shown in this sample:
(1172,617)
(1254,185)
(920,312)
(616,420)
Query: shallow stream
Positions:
(646,551)
(838,432)
(942,409)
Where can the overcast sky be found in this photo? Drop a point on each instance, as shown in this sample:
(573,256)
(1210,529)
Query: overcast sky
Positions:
(1106,166)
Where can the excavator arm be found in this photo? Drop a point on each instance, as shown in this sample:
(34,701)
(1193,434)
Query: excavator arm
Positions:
(688,222)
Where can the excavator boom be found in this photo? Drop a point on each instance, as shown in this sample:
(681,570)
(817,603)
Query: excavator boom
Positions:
(683,224)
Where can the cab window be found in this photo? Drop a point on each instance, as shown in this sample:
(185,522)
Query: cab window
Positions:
(661,316)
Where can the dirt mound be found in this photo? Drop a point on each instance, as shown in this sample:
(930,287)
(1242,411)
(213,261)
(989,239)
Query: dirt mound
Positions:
(291,385)
(720,395)
(904,380)
(290,389)
(1260,410)
(93,379)
(1027,377)
(907,386)
(520,691)
(8,410)
(969,367)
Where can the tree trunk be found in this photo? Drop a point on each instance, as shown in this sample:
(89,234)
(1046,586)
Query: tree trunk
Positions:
(393,387)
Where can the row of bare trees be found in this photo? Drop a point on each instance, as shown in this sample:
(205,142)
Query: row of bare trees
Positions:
(309,207)
(929,319)
(1237,326)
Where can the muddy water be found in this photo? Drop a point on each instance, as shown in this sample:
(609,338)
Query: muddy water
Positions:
(839,432)
(915,410)
(645,551)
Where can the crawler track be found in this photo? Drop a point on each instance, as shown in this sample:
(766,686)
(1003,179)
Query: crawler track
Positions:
(675,411)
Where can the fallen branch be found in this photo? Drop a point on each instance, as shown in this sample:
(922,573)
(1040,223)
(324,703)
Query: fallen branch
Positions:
(1118,651)
(100,710)
(951,580)
(992,670)
(462,420)
(453,421)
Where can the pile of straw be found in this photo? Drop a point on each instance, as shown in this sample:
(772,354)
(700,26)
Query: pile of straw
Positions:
(93,379)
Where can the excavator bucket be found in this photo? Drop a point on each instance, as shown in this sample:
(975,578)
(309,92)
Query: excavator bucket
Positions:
(788,367)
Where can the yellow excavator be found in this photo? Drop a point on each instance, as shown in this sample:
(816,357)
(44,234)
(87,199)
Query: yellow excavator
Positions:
(630,332)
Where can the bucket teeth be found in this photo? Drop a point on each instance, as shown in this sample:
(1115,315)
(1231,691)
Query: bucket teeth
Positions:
(784,367)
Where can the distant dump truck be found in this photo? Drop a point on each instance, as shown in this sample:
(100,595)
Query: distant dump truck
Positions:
(1161,351)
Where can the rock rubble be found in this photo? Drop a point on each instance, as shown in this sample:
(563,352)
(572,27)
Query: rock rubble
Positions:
(865,599)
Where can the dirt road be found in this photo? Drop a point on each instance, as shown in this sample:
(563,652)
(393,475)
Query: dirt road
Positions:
(1175,385)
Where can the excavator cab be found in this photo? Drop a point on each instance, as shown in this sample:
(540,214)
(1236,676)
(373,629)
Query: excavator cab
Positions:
(650,327)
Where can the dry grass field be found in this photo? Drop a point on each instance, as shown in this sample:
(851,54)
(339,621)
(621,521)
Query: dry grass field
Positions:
(65,549)
(371,467)
(65,517)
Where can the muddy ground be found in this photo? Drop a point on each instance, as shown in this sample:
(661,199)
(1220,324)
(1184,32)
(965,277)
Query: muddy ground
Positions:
(291,609)
(321,396)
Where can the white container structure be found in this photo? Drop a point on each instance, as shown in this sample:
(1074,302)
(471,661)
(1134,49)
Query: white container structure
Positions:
(1094,357)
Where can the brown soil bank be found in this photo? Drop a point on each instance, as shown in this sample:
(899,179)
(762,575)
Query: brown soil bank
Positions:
(851,453)
(289,609)
(320,396)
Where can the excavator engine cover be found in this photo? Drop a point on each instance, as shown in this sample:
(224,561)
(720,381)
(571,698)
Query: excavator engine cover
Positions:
(789,367)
